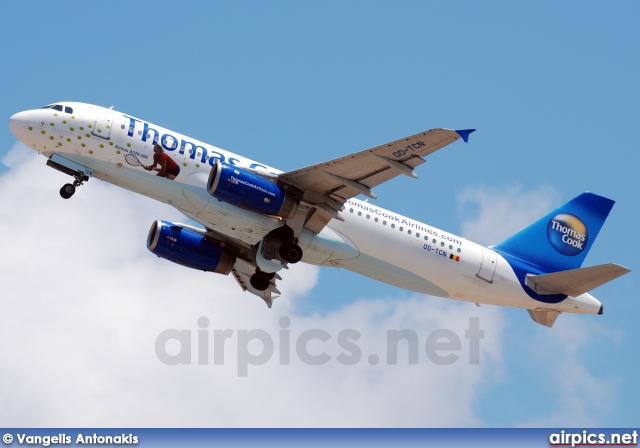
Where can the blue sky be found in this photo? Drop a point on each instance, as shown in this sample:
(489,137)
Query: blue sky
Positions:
(551,88)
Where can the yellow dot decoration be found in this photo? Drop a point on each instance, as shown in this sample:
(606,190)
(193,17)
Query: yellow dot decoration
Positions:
(64,121)
(118,151)
(101,145)
(82,128)
(90,126)
(72,129)
(88,135)
(68,139)
(52,124)
(31,128)
(197,165)
(79,137)
(129,145)
(51,137)
(111,143)
(59,143)
(90,152)
(185,163)
(43,132)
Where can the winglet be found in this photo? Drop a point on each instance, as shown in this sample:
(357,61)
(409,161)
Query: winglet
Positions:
(464,133)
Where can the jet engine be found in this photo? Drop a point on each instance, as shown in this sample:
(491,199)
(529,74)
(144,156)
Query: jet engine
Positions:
(189,248)
(250,191)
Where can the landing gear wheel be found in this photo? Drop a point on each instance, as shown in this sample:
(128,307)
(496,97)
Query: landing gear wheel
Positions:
(265,275)
(259,282)
(291,253)
(67,191)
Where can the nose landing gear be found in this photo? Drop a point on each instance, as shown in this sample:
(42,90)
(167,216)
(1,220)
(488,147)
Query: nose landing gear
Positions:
(68,190)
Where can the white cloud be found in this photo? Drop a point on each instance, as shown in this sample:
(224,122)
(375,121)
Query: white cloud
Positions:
(577,397)
(501,212)
(84,302)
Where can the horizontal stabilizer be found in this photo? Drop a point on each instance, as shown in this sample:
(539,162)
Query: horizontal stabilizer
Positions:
(575,281)
(544,317)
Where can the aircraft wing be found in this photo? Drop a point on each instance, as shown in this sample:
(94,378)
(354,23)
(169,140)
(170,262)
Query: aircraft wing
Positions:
(326,186)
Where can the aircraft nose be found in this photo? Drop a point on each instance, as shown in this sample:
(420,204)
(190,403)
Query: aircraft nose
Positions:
(18,123)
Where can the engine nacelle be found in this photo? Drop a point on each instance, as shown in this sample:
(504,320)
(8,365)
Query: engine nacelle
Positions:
(250,191)
(188,248)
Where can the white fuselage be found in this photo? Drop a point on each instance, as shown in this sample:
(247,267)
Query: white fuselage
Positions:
(371,241)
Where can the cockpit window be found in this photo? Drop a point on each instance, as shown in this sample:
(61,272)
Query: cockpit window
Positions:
(60,108)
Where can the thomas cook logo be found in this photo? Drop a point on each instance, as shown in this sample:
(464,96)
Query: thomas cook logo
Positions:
(567,234)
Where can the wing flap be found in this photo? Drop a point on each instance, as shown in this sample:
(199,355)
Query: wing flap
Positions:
(575,281)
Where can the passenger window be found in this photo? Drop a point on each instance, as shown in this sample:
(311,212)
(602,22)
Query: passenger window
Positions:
(459,250)
(442,243)
(359,213)
(417,235)
(393,226)
(426,238)
(450,246)
(350,210)
(376,219)
(384,223)
(368,216)
(434,241)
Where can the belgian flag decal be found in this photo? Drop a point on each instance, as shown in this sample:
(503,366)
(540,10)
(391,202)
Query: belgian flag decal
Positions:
(454,257)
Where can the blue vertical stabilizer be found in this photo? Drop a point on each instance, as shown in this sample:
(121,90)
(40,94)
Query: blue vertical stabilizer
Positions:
(562,239)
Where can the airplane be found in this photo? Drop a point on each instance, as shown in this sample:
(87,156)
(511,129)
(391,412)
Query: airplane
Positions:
(258,220)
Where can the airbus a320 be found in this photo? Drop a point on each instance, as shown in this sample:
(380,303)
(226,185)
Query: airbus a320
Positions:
(256,220)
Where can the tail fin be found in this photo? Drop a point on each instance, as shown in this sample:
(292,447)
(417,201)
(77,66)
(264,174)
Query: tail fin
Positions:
(561,240)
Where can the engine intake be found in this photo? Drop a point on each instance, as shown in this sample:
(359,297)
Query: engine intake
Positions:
(188,248)
(250,191)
